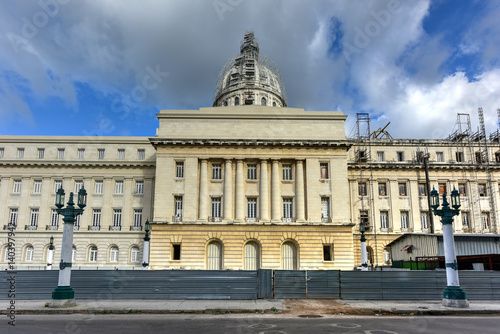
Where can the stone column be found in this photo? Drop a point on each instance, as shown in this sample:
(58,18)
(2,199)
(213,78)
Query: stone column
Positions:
(264,192)
(228,190)
(240,191)
(275,192)
(299,190)
(203,204)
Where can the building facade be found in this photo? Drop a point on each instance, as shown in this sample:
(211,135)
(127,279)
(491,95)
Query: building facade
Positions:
(248,183)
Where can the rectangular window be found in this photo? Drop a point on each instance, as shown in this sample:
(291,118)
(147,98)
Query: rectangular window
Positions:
(439,156)
(17,186)
(325,207)
(41,153)
(118,187)
(2,151)
(78,186)
(139,187)
(137,217)
(13,217)
(479,157)
(328,253)
(77,223)
(424,219)
(54,218)
(497,156)
(460,156)
(485,220)
(37,187)
(96,217)
(442,188)
(117,217)
(176,252)
(382,189)
(179,169)
(251,207)
(384,220)
(216,210)
(121,154)
(216,172)
(60,153)
(482,190)
(380,156)
(81,153)
(462,189)
(20,153)
(252,172)
(100,154)
(363,217)
(323,167)
(465,220)
(178,206)
(400,156)
(362,191)
(287,207)
(404,221)
(34,217)
(98,187)
(287,172)
(422,189)
(141,154)
(402,189)
(57,185)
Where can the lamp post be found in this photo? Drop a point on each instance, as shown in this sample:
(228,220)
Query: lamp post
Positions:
(50,254)
(63,295)
(453,295)
(145,252)
(364,255)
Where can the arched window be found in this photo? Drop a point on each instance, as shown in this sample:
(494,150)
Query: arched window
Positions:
(263,102)
(134,254)
(113,254)
(225,103)
(6,253)
(289,256)
(93,254)
(252,256)
(214,255)
(369,255)
(387,256)
(237,101)
(274,104)
(73,254)
(29,253)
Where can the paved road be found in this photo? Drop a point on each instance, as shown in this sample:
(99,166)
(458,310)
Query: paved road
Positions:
(245,324)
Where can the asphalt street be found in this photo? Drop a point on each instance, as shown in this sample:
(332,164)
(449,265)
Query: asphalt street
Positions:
(245,324)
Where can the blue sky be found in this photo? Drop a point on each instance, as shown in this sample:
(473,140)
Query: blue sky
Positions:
(107,67)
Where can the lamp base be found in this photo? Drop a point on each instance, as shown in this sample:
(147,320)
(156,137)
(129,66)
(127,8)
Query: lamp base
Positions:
(63,292)
(62,303)
(454,296)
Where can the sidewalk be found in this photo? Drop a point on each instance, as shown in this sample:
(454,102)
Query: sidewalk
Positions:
(292,307)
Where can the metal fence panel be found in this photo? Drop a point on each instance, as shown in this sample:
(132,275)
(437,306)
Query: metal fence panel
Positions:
(290,284)
(147,284)
(265,283)
(323,284)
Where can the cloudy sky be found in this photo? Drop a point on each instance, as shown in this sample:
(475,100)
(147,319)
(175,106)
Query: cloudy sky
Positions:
(106,67)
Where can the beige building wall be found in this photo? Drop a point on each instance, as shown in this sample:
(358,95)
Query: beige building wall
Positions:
(129,166)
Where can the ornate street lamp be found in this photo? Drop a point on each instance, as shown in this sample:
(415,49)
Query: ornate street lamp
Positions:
(50,254)
(63,295)
(453,295)
(364,255)
(145,252)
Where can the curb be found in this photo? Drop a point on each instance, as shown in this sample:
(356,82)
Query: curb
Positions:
(50,311)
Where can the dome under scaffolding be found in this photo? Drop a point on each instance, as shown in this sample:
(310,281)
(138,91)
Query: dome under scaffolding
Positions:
(250,78)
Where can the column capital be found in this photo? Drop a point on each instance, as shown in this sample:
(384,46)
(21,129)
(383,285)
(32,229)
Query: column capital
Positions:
(226,159)
(300,160)
(240,161)
(263,160)
(203,159)
(275,160)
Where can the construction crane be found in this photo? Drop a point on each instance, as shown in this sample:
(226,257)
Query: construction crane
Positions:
(382,131)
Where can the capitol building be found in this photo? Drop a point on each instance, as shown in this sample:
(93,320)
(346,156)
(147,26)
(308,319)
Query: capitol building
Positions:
(248,183)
